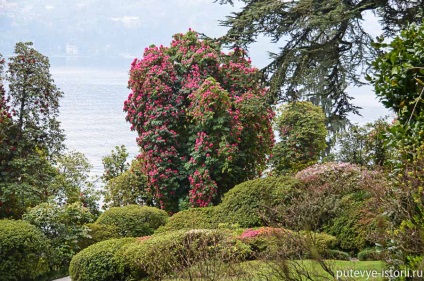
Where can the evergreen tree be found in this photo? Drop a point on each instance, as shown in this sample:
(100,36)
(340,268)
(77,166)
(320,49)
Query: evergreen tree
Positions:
(30,133)
(324,47)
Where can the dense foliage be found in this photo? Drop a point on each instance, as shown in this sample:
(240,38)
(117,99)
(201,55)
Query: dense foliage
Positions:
(63,226)
(323,44)
(364,145)
(30,132)
(99,262)
(251,203)
(301,128)
(24,251)
(134,220)
(201,118)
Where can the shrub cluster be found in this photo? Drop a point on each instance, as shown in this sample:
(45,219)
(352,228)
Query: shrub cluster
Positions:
(133,220)
(24,251)
(157,256)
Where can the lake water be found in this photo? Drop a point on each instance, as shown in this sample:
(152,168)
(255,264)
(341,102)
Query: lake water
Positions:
(91,111)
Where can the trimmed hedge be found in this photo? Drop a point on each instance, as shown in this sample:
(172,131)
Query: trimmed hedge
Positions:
(134,220)
(195,218)
(155,257)
(170,252)
(23,251)
(247,203)
(99,262)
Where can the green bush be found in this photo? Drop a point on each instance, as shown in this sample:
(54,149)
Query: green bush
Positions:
(279,243)
(346,226)
(99,262)
(251,203)
(169,252)
(134,220)
(195,218)
(337,255)
(23,251)
(97,233)
(370,255)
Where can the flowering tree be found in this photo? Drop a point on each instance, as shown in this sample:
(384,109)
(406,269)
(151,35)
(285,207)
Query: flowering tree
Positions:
(202,121)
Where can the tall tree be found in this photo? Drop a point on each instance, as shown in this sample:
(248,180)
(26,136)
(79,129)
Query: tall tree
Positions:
(34,98)
(30,132)
(324,47)
(202,121)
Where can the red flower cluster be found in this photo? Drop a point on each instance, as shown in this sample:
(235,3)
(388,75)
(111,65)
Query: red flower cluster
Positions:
(202,120)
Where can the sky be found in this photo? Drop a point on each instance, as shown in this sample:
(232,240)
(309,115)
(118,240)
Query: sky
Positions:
(111,33)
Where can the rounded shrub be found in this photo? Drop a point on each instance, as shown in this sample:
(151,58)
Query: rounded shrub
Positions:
(335,199)
(205,218)
(134,220)
(170,252)
(23,251)
(251,203)
(97,233)
(99,262)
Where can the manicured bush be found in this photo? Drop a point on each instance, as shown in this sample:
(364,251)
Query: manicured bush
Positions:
(97,233)
(23,251)
(251,203)
(99,262)
(195,218)
(134,220)
(170,252)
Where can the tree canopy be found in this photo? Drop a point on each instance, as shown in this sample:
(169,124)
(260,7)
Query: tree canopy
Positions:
(324,46)
(202,121)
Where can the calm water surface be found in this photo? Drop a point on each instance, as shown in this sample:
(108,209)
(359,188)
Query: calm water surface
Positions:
(91,112)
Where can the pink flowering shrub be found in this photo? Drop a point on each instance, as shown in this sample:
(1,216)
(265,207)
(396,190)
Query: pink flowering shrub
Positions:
(201,118)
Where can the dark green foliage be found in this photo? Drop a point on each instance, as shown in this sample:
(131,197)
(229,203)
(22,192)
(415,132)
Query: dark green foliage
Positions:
(134,220)
(194,218)
(24,251)
(399,74)
(99,262)
(323,44)
(97,233)
(31,135)
(346,225)
(301,127)
(249,204)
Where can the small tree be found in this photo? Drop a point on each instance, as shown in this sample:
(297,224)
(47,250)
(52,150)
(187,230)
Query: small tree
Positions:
(301,126)
(202,120)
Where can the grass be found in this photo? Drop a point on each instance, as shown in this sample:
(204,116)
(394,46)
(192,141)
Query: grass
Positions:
(279,270)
